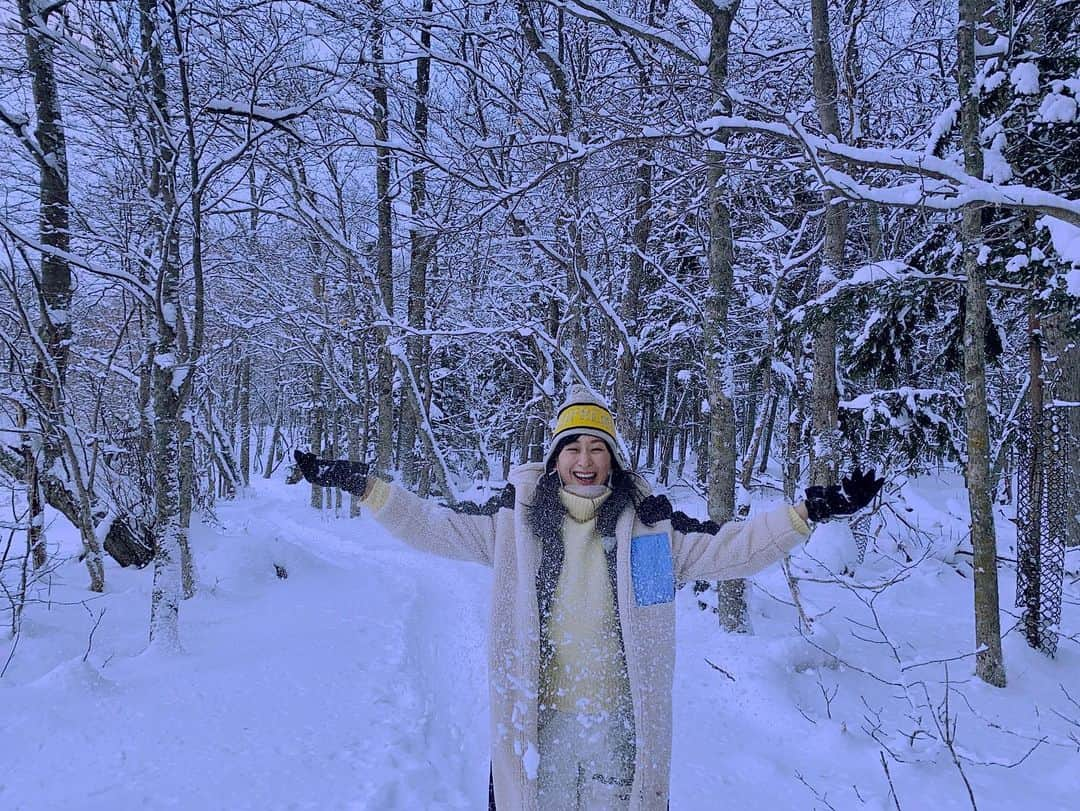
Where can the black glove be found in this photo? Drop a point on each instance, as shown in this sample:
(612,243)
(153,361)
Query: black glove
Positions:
(852,494)
(654,509)
(349,476)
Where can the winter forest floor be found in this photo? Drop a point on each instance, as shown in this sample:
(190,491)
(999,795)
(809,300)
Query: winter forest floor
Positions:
(359,681)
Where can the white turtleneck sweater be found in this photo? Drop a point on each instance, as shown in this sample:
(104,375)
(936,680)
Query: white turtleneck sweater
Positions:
(587,671)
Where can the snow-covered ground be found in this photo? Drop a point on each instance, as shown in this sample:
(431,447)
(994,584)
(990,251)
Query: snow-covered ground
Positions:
(359,681)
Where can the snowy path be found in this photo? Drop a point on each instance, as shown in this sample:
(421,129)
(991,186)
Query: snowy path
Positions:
(340,687)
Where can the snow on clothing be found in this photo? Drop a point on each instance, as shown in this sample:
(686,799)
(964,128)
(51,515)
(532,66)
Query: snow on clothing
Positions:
(586,671)
(648,561)
(586,730)
(584,767)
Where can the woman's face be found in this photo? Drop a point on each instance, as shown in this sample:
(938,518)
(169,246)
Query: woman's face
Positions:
(586,460)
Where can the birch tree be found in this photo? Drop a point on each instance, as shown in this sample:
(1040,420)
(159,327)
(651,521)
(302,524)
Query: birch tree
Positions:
(169,366)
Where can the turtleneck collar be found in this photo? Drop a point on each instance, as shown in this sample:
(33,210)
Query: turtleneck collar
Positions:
(583,502)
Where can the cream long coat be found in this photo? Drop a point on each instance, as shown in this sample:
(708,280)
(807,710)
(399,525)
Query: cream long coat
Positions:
(648,561)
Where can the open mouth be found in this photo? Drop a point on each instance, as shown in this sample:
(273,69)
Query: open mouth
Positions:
(585,478)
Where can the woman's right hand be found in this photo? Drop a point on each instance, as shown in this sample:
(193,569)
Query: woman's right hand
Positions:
(349,476)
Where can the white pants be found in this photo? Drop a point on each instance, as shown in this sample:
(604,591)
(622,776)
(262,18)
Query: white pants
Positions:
(585,764)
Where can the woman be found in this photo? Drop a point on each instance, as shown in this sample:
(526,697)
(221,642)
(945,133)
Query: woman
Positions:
(582,640)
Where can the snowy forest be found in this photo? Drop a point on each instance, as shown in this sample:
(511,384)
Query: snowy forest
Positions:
(780,238)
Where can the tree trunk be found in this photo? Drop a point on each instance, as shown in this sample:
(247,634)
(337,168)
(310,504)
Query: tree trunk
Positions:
(859,115)
(35,508)
(245,420)
(186,484)
(421,237)
(193,348)
(1029,525)
(989,661)
(684,438)
(793,444)
(318,426)
(384,258)
(824,400)
(168,363)
(275,435)
(145,394)
(47,145)
(213,484)
(770,425)
(626,400)
(353,448)
(731,594)
(335,451)
(363,377)
(317,414)
(507,456)
(765,414)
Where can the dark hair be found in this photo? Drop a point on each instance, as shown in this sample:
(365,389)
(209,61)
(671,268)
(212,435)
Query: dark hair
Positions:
(546,512)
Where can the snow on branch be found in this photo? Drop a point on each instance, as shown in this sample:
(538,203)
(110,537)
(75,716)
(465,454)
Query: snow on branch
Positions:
(258,112)
(877,274)
(601,13)
(131,283)
(20,125)
(940,184)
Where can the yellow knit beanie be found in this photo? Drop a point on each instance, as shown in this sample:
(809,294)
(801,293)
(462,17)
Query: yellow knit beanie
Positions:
(583,412)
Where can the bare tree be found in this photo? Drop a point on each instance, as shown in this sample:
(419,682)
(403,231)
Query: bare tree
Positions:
(168,341)
(824,398)
(731,594)
(48,147)
(384,241)
(990,664)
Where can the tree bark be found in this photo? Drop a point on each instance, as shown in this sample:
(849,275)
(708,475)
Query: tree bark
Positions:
(275,434)
(732,603)
(245,420)
(770,425)
(384,258)
(168,363)
(354,420)
(1028,555)
(35,508)
(318,427)
(421,238)
(48,146)
(824,399)
(989,661)
(793,443)
(626,400)
(194,343)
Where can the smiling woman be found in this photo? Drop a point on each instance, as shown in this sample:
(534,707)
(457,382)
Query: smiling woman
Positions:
(582,637)
(583,460)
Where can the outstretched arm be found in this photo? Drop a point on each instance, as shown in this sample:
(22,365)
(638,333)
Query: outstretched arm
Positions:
(463,532)
(706,551)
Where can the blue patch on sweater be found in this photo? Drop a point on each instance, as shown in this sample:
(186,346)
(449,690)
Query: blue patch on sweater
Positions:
(651,569)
